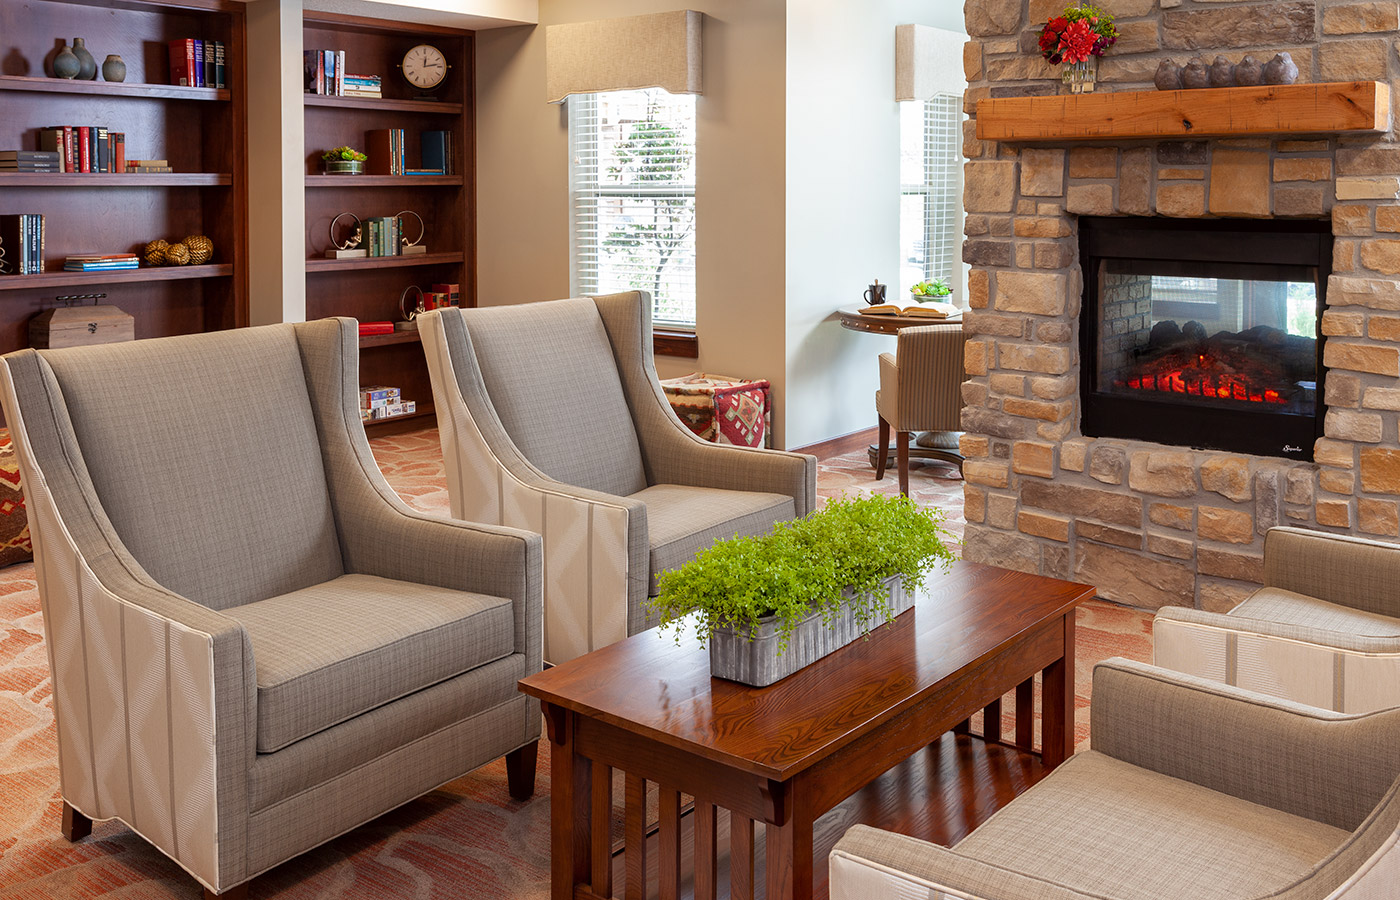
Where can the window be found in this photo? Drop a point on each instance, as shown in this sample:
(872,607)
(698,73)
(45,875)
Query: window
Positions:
(632,197)
(930,170)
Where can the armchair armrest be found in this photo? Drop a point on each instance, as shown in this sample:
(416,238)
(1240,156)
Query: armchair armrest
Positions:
(1340,569)
(1321,765)
(869,863)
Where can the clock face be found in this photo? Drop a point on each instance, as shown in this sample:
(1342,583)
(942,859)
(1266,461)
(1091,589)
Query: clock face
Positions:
(424,67)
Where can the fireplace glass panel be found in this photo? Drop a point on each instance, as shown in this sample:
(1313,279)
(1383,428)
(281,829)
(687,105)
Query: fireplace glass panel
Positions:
(1212,335)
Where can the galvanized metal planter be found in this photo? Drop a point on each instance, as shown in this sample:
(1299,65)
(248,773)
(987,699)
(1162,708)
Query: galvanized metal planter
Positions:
(750,656)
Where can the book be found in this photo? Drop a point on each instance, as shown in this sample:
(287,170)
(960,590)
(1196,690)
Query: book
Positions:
(340,73)
(84,139)
(197,63)
(100,135)
(381,145)
(209,64)
(148,162)
(329,84)
(182,62)
(453,292)
(146,170)
(219,73)
(376,328)
(422,171)
(29,167)
(119,151)
(11,250)
(100,257)
(932,310)
(51,139)
(434,150)
(43,156)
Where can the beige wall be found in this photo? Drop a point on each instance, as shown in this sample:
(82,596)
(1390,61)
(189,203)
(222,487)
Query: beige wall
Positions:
(843,200)
(522,178)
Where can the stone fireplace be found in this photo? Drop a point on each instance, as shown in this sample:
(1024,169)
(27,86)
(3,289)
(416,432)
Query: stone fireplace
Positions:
(1148,522)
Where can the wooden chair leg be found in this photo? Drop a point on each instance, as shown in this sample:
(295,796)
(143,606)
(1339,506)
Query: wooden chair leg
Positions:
(233,893)
(76,826)
(520,771)
(901,451)
(884,449)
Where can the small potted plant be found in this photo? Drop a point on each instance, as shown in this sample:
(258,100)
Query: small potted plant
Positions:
(344,161)
(1076,39)
(924,291)
(769,605)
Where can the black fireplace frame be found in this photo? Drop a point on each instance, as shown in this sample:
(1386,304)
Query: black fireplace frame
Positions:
(1306,242)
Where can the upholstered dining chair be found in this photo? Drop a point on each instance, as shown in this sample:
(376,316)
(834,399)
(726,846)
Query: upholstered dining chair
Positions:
(920,390)
(255,645)
(1324,630)
(552,419)
(1192,789)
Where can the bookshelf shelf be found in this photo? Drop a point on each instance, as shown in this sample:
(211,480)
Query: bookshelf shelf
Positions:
(382,181)
(121,276)
(353,104)
(150,179)
(383,262)
(34,84)
(369,341)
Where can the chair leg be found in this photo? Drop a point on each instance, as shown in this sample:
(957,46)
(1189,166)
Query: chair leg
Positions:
(76,826)
(884,449)
(233,893)
(520,770)
(901,451)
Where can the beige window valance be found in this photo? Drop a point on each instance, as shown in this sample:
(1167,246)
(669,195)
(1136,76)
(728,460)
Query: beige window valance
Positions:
(916,62)
(660,50)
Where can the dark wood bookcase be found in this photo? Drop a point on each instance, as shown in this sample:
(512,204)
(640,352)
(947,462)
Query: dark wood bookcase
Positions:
(202,131)
(369,289)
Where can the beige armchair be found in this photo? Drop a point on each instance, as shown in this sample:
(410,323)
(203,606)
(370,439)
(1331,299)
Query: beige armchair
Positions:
(920,390)
(552,419)
(256,646)
(1192,789)
(1324,630)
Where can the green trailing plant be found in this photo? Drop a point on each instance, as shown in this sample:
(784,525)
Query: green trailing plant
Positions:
(346,154)
(804,566)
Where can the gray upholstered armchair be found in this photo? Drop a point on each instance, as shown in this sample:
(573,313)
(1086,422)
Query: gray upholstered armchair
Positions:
(1193,789)
(552,419)
(1324,630)
(920,390)
(256,646)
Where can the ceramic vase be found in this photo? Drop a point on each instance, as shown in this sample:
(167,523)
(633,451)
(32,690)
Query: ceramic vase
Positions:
(87,65)
(65,64)
(113,69)
(1079,77)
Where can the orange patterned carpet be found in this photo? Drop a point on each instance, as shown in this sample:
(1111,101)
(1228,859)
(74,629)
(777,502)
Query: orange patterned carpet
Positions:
(466,840)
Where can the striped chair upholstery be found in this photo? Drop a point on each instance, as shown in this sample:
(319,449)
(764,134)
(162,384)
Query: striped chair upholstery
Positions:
(552,419)
(920,390)
(1324,630)
(1192,789)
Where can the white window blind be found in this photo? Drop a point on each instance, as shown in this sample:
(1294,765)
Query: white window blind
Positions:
(632,197)
(930,167)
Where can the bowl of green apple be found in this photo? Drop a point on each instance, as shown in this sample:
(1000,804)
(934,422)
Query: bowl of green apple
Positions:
(926,291)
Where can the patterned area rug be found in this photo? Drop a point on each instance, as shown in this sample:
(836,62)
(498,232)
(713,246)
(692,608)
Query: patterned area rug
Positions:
(466,840)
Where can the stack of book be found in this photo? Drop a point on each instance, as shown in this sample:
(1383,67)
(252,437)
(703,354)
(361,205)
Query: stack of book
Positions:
(361,86)
(436,152)
(385,236)
(29,161)
(197,63)
(148,165)
(101,263)
(85,148)
(379,402)
(385,149)
(22,244)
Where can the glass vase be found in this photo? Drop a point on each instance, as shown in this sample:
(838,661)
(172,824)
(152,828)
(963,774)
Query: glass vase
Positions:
(1079,77)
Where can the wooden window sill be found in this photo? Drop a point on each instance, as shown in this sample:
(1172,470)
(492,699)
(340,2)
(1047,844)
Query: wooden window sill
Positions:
(675,343)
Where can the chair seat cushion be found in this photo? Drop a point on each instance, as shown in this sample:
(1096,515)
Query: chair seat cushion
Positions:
(1288,608)
(683,520)
(1110,829)
(330,652)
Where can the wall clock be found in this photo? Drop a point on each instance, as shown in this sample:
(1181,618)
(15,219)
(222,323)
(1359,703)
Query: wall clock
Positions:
(425,67)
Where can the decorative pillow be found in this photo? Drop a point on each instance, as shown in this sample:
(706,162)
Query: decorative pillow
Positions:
(15,545)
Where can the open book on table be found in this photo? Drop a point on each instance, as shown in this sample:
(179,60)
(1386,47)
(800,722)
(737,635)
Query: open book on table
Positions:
(931,310)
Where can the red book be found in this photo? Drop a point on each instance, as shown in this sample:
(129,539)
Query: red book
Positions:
(70,157)
(119,152)
(84,156)
(376,328)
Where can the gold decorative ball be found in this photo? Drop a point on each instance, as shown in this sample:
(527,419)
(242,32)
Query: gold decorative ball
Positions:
(177,255)
(154,254)
(200,247)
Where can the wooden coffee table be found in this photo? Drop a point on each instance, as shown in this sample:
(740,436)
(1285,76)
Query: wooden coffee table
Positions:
(785,754)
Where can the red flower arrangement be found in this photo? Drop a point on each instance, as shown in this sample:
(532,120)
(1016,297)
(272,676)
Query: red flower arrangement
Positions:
(1081,32)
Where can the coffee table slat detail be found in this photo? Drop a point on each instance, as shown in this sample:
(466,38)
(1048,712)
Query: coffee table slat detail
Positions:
(787,753)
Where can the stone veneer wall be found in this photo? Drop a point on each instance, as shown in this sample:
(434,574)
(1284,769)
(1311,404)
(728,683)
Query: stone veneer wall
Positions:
(1152,525)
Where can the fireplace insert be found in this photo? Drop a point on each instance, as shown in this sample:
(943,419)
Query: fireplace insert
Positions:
(1204,333)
